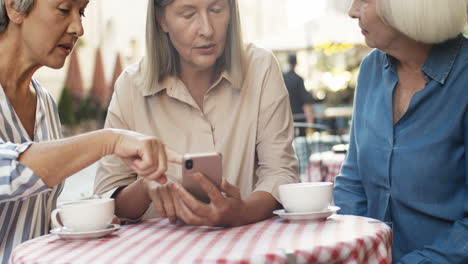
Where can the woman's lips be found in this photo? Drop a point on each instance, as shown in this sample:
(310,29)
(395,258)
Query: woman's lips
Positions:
(66,49)
(208,49)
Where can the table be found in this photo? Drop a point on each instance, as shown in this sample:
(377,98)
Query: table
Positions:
(323,166)
(340,239)
(318,142)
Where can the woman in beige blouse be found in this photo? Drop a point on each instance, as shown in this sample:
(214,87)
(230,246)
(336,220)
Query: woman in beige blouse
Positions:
(200,89)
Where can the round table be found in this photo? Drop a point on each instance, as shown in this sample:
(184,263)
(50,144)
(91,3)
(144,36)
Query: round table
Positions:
(339,239)
(324,167)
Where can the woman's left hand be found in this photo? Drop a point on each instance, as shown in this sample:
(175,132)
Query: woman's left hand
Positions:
(223,210)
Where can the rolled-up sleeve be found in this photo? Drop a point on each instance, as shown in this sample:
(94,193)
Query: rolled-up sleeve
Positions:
(277,162)
(17,182)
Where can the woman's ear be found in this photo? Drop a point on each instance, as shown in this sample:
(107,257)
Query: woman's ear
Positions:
(160,18)
(13,15)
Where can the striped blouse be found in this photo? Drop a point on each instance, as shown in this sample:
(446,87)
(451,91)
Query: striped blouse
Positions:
(25,201)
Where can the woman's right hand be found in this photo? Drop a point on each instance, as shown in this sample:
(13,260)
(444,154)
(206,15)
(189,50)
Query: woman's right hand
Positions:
(146,155)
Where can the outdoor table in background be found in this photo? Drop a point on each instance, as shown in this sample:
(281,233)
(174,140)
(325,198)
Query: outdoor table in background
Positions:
(323,166)
(315,143)
(340,239)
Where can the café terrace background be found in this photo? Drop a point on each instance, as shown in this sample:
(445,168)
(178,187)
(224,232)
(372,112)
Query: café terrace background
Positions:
(114,38)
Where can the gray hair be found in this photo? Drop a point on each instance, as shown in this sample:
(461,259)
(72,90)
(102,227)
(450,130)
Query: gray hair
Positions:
(427,21)
(162,59)
(22,6)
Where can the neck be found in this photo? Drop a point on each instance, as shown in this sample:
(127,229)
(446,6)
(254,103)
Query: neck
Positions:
(198,81)
(16,70)
(410,53)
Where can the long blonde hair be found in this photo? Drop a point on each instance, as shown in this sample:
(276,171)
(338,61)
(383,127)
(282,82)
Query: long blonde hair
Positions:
(162,59)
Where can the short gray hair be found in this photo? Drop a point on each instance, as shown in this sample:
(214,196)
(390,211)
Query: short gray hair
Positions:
(162,59)
(22,6)
(427,21)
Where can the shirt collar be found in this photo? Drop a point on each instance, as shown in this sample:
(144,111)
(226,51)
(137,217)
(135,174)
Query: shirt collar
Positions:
(442,58)
(171,82)
(440,61)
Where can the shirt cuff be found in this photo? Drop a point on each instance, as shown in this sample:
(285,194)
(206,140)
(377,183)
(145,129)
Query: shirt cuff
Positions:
(273,187)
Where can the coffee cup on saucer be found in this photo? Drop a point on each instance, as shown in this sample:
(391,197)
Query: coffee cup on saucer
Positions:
(84,215)
(306,197)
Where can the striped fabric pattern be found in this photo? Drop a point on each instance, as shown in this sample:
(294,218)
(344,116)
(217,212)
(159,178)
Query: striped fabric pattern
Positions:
(25,201)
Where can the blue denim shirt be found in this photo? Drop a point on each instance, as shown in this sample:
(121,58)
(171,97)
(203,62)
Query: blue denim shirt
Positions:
(414,173)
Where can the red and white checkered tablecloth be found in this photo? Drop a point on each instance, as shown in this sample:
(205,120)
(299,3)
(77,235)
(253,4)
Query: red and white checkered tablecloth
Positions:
(323,167)
(340,239)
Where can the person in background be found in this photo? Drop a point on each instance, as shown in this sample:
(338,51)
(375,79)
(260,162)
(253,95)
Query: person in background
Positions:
(34,161)
(201,89)
(301,101)
(407,161)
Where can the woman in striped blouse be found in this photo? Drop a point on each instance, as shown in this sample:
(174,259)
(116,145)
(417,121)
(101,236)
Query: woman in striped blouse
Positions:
(33,161)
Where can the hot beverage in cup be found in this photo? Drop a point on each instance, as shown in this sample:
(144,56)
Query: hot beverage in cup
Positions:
(84,215)
(306,197)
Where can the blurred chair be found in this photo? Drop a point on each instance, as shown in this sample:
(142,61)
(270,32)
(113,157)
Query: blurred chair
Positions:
(303,147)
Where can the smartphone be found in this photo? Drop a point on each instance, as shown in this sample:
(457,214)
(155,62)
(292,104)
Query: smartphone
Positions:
(209,164)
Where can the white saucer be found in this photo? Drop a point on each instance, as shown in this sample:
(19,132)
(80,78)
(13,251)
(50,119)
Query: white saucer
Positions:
(307,216)
(64,234)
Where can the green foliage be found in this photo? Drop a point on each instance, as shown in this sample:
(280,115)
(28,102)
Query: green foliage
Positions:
(65,107)
(76,111)
(87,110)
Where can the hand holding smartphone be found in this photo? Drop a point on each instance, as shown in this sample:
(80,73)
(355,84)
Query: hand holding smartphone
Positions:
(209,164)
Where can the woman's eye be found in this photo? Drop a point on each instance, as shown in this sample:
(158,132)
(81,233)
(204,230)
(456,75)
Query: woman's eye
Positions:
(188,16)
(216,10)
(63,10)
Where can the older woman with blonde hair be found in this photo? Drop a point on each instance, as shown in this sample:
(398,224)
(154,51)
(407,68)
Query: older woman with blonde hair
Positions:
(34,161)
(408,157)
(200,89)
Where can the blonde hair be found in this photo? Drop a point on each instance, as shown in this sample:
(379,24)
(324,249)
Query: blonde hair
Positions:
(427,21)
(162,59)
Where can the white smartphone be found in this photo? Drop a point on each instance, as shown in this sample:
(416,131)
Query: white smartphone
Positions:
(209,164)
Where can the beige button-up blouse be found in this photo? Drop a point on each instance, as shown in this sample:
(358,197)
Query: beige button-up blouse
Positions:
(251,126)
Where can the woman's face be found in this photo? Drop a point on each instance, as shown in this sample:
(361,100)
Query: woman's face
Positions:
(197,29)
(377,34)
(50,30)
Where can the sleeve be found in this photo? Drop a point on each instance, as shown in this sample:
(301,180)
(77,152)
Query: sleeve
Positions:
(17,182)
(112,172)
(349,193)
(451,246)
(277,163)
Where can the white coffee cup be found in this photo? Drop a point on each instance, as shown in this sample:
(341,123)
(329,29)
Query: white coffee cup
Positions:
(84,215)
(306,197)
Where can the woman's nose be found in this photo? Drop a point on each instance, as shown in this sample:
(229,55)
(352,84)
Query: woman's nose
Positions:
(354,9)
(206,26)
(76,26)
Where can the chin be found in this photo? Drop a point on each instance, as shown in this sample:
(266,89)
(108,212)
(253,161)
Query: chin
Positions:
(207,64)
(55,65)
(370,44)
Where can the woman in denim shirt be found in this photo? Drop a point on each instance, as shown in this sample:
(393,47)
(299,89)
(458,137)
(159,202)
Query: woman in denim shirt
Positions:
(407,161)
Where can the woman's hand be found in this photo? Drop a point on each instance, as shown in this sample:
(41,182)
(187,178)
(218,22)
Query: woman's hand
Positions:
(146,155)
(162,198)
(223,210)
